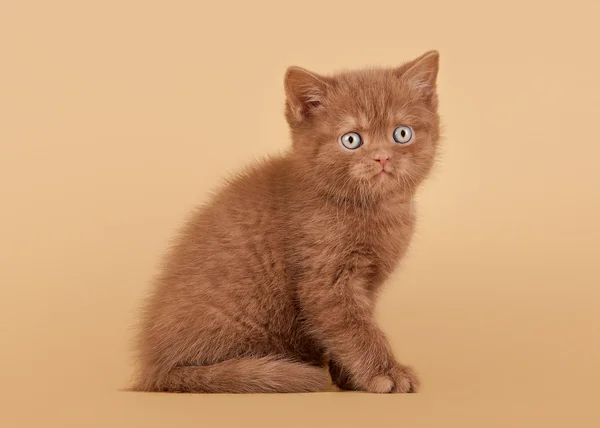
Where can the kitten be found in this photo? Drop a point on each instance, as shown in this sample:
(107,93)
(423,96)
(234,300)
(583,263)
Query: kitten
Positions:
(271,286)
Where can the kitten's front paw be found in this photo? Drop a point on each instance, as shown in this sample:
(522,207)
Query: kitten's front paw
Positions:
(381,384)
(405,379)
(400,379)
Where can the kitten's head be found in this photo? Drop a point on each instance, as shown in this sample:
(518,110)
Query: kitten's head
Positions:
(368,133)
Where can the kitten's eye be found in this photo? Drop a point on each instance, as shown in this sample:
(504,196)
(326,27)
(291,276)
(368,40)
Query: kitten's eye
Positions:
(403,134)
(351,140)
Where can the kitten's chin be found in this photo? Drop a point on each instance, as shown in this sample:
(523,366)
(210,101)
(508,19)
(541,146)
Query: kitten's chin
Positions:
(382,185)
(389,185)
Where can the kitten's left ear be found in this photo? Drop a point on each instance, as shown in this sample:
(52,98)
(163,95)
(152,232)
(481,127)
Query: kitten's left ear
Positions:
(421,73)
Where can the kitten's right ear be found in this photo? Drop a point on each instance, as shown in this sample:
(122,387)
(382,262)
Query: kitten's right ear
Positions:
(305,92)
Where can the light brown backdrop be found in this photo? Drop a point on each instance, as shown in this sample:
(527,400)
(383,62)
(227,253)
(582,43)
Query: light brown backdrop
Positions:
(118,116)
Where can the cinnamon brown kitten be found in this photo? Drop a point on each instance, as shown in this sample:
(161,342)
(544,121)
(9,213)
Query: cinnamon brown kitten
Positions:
(271,285)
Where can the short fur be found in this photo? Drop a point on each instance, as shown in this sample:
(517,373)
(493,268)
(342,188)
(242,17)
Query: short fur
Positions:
(275,279)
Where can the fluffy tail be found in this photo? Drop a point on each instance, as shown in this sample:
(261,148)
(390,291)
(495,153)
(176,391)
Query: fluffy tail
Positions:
(258,375)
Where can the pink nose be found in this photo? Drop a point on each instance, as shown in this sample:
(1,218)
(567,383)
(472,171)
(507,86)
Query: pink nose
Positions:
(382,159)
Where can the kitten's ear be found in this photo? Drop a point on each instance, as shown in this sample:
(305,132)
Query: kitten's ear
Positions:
(421,73)
(305,92)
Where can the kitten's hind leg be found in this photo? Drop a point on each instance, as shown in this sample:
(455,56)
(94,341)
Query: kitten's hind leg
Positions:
(244,375)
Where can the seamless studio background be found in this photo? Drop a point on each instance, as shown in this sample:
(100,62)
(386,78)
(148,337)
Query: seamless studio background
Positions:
(117,117)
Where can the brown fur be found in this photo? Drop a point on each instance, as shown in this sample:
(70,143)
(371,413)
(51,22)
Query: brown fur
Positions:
(276,276)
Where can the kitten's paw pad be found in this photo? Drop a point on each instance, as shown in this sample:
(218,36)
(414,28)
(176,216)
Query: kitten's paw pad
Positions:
(380,384)
(405,380)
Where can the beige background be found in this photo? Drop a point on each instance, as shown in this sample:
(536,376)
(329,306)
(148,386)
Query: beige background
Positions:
(117,117)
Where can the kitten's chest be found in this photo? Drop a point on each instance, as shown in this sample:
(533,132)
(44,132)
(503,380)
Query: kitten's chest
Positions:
(382,244)
(378,240)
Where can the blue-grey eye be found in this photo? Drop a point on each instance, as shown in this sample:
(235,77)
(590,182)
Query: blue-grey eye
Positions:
(403,134)
(351,140)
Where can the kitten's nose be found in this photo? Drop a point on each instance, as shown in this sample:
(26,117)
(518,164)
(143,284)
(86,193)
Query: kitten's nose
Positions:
(382,158)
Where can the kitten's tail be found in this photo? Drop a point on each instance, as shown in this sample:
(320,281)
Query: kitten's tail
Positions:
(250,375)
